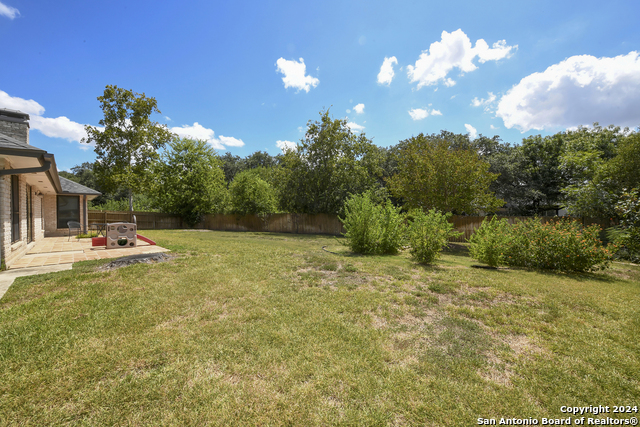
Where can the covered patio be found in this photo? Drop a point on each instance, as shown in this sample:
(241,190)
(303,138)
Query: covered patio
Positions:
(61,250)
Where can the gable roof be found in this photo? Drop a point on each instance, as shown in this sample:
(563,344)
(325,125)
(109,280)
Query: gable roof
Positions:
(71,187)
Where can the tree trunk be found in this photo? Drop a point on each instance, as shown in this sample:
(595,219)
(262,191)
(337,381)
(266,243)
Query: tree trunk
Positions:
(130,200)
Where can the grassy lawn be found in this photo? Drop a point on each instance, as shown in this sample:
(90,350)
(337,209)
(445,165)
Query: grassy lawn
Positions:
(260,329)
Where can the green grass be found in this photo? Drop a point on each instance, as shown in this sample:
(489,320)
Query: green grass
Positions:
(269,329)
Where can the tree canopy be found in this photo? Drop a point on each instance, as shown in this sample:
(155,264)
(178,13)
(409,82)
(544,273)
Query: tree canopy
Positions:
(250,194)
(190,181)
(436,173)
(330,163)
(127,145)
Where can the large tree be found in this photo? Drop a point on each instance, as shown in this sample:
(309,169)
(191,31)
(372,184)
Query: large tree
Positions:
(329,164)
(190,181)
(439,173)
(599,165)
(250,194)
(128,143)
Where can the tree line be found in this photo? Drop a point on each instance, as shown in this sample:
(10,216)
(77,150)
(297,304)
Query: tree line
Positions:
(139,162)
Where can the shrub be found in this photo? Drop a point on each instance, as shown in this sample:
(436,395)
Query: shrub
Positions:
(489,241)
(372,228)
(563,245)
(428,233)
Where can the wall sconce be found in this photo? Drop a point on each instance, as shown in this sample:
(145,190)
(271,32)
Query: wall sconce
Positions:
(38,193)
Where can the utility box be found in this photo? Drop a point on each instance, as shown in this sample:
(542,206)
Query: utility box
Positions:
(121,235)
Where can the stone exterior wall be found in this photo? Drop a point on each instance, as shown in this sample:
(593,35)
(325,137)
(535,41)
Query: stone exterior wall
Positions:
(12,251)
(51,217)
(19,131)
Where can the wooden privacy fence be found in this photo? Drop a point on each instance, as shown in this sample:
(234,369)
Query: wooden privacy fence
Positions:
(276,223)
(288,223)
(145,220)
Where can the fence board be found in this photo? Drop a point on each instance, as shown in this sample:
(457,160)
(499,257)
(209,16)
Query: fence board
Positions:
(145,220)
(289,223)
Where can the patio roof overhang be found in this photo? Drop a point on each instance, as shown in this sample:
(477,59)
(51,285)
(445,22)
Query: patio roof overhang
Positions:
(38,166)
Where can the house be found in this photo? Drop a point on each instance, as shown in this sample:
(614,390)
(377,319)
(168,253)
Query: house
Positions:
(35,201)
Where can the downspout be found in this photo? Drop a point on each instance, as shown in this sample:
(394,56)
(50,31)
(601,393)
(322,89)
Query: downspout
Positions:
(86,214)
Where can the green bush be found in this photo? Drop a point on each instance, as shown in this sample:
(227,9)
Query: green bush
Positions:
(372,228)
(563,245)
(488,243)
(428,233)
(627,234)
(250,194)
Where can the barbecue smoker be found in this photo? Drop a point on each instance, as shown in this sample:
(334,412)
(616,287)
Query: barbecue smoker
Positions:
(121,235)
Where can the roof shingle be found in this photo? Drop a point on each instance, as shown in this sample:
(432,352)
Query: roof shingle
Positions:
(8,142)
(71,187)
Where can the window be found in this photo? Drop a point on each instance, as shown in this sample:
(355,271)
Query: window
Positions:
(15,208)
(68,210)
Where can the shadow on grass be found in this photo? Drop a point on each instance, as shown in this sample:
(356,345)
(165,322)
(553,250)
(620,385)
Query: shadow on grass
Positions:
(579,277)
(457,249)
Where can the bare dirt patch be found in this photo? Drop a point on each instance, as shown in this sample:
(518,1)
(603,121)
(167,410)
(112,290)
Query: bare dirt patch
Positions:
(135,259)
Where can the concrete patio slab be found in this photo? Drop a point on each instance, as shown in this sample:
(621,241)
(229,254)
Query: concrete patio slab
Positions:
(59,250)
(58,254)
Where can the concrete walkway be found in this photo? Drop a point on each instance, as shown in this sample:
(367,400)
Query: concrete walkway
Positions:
(7,277)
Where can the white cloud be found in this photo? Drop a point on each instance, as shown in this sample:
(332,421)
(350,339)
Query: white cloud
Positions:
(286,145)
(385,76)
(473,133)
(418,113)
(359,109)
(8,11)
(355,127)
(167,118)
(487,104)
(198,131)
(493,127)
(498,51)
(579,90)
(421,113)
(453,51)
(348,111)
(14,103)
(60,127)
(294,75)
(230,141)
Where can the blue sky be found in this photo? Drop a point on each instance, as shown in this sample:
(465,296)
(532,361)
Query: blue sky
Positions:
(247,76)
